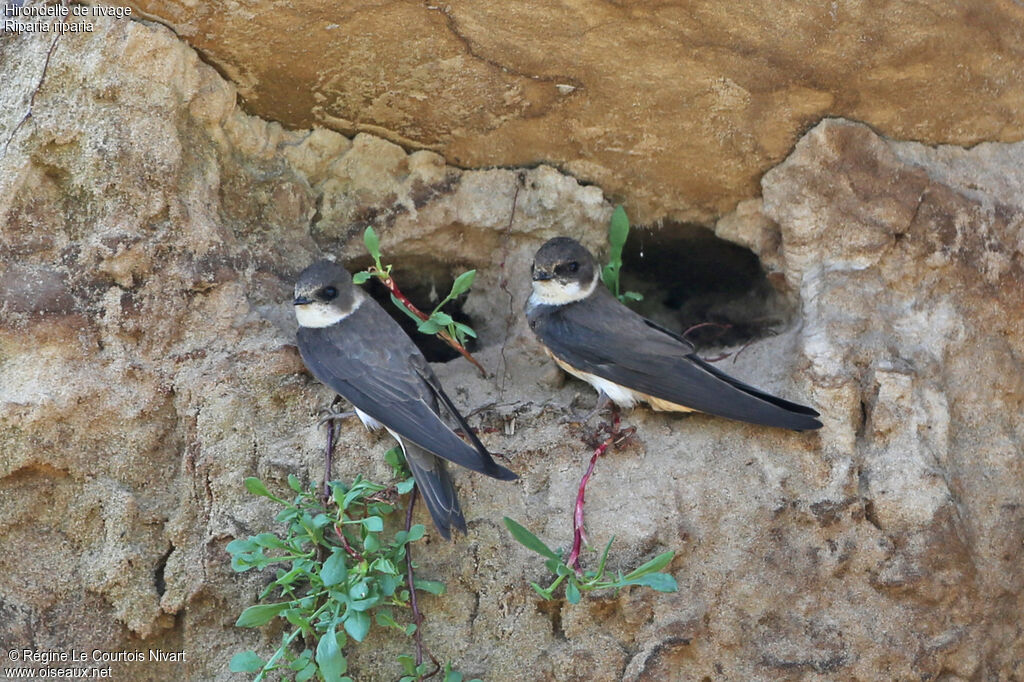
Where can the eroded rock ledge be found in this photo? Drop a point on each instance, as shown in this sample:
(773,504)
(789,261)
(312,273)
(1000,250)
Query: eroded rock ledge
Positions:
(676,107)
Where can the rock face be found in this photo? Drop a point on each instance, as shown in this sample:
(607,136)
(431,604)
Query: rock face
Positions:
(149,234)
(675,107)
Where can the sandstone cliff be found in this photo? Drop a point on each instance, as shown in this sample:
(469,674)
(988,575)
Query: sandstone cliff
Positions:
(150,230)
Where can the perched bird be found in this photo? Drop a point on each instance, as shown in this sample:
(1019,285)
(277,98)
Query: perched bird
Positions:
(353,346)
(630,359)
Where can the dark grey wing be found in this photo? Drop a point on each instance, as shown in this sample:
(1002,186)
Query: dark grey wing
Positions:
(435,484)
(369,360)
(603,337)
(435,385)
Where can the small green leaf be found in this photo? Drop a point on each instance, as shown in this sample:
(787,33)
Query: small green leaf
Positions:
(296,618)
(384,619)
(618,229)
(306,673)
(662,582)
(240,546)
(294,483)
(656,564)
(374,524)
(408,664)
(609,275)
(245,662)
(357,625)
(465,329)
(329,658)
(441,318)
(269,540)
(372,243)
(388,585)
(359,590)
(434,587)
(334,569)
(361,277)
(544,594)
(385,566)
(406,486)
(462,283)
(256,487)
(338,493)
(260,614)
(429,326)
(301,661)
(395,458)
(528,539)
(452,676)
(364,604)
(632,296)
(604,558)
(371,543)
(572,592)
(354,494)
(416,532)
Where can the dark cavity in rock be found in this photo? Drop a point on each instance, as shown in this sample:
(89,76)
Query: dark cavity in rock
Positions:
(424,282)
(690,277)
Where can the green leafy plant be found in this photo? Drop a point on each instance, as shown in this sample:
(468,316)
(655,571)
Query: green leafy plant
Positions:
(618,231)
(438,319)
(567,568)
(414,672)
(438,322)
(337,571)
(577,581)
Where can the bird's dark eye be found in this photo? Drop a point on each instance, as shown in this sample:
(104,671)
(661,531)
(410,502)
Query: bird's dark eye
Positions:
(574,266)
(329,293)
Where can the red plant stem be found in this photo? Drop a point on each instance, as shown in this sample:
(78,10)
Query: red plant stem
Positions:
(445,336)
(573,560)
(695,327)
(328,461)
(416,617)
(347,547)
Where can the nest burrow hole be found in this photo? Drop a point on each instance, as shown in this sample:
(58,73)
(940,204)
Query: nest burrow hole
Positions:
(693,280)
(425,282)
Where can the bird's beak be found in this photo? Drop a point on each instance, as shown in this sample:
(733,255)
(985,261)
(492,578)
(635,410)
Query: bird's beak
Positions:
(302,300)
(541,276)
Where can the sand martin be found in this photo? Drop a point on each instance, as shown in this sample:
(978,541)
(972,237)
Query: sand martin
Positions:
(630,359)
(353,346)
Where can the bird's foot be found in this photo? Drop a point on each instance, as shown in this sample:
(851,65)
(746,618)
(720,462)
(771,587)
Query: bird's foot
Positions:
(603,402)
(331,416)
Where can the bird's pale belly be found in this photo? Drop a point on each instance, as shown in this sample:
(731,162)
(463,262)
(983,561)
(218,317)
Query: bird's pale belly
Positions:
(621,395)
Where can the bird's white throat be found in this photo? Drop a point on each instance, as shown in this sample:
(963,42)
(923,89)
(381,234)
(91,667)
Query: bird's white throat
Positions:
(319,314)
(553,292)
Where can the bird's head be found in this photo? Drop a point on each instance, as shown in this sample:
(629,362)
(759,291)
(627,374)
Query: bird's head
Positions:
(324,295)
(563,272)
